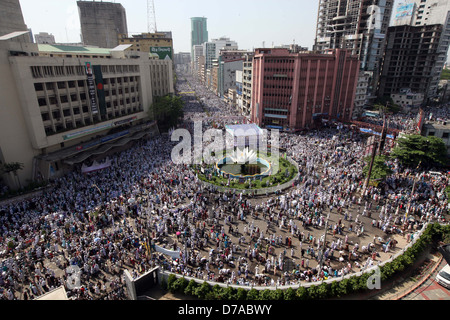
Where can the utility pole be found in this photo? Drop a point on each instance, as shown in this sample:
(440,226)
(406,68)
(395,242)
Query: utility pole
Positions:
(383,135)
(374,152)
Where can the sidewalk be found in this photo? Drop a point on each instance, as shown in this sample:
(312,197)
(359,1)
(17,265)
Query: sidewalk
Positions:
(408,285)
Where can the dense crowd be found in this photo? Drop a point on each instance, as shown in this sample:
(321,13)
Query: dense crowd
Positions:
(115,219)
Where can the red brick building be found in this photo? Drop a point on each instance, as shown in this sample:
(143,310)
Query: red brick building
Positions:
(291,91)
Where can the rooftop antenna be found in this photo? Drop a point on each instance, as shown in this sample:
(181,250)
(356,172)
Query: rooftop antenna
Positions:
(151,16)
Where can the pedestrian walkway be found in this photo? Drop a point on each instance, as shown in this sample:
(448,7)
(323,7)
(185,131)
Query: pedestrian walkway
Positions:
(421,286)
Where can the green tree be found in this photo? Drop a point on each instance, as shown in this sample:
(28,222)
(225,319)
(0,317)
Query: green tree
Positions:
(380,169)
(241,294)
(414,149)
(167,110)
(13,167)
(202,290)
(190,289)
(253,294)
(302,293)
(289,294)
(170,282)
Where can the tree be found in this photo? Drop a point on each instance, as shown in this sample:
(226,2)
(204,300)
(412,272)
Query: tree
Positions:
(414,149)
(13,167)
(167,110)
(380,169)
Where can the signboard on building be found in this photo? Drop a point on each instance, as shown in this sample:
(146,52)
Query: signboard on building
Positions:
(91,88)
(404,10)
(164,53)
(404,13)
(419,121)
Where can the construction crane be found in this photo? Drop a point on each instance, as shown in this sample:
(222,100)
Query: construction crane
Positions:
(151,16)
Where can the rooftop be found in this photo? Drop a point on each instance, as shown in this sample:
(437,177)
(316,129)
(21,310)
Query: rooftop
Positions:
(72,49)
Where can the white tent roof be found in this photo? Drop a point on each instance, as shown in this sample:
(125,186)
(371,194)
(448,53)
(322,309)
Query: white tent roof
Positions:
(57,294)
(244,130)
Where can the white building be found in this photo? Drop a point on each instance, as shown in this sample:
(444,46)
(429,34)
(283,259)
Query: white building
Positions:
(407,99)
(211,49)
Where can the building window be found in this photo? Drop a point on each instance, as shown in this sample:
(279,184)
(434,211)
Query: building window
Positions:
(445,135)
(45,116)
(42,102)
(431,134)
(38,87)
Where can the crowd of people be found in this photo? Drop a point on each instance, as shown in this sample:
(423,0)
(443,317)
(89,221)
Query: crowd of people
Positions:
(126,216)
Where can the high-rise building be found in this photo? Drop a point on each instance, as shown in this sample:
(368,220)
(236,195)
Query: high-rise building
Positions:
(410,60)
(417,46)
(199,32)
(293,91)
(357,25)
(247,84)
(101,23)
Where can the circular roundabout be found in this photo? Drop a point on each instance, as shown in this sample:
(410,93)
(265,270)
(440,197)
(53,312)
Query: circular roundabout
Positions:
(249,170)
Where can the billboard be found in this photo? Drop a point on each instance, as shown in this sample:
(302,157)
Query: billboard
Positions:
(404,14)
(164,53)
(404,10)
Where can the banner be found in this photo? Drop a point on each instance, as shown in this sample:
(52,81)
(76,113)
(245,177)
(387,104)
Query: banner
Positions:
(91,88)
(100,90)
(96,166)
(173,254)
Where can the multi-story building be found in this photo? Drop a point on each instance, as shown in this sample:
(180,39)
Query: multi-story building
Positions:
(200,73)
(410,59)
(198,51)
(182,62)
(247,84)
(64,105)
(357,25)
(101,23)
(409,101)
(227,74)
(440,129)
(235,94)
(417,46)
(44,38)
(292,91)
(211,49)
(159,43)
(199,33)
(361,94)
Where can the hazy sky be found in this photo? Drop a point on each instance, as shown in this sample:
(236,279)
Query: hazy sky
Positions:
(248,22)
